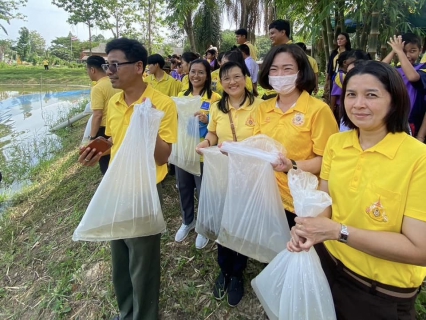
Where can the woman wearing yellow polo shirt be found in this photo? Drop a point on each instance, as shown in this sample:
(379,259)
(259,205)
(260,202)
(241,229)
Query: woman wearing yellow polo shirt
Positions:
(199,85)
(300,122)
(239,106)
(374,234)
(187,58)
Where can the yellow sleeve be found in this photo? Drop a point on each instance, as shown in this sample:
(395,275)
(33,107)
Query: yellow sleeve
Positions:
(107,125)
(168,126)
(181,94)
(315,65)
(176,88)
(249,84)
(97,99)
(326,159)
(215,97)
(414,207)
(323,126)
(185,83)
(213,117)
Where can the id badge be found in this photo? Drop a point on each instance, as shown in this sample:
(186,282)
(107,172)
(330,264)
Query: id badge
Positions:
(205,106)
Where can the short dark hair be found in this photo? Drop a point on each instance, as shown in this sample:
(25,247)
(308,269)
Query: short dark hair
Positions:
(244,49)
(133,50)
(220,56)
(302,45)
(306,77)
(358,54)
(96,62)
(212,52)
(241,32)
(412,38)
(224,69)
(397,118)
(281,25)
(188,57)
(207,85)
(342,57)
(237,56)
(156,59)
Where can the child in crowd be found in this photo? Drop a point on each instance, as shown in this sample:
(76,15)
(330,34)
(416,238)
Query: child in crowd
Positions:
(407,47)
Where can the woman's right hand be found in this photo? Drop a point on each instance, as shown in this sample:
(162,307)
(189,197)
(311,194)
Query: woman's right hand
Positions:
(201,145)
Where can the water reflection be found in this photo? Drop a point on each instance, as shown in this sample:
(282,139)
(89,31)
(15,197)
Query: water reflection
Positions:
(25,120)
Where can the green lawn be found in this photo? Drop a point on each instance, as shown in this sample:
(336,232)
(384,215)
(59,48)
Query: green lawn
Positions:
(36,75)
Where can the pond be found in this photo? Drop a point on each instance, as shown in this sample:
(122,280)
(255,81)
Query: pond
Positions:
(26,116)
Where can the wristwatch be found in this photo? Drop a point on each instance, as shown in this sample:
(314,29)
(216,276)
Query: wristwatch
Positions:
(344,234)
(294,164)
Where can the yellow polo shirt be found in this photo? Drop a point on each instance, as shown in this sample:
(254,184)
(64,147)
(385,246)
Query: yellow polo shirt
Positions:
(100,94)
(303,131)
(388,179)
(167,85)
(217,86)
(313,63)
(253,50)
(244,121)
(185,83)
(119,115)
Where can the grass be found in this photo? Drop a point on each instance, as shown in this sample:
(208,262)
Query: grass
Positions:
(30,75)
(45,275)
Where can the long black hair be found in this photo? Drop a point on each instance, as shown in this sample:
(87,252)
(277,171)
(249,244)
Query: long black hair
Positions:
(237,56)
(224,70)
(207,85)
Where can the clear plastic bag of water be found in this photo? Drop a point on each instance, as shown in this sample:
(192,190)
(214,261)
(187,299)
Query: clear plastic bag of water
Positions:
(293,286)
(126,203)
(254,221)
(213,193)
(183,152)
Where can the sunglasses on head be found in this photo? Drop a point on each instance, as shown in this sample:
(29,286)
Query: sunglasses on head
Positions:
(113,67)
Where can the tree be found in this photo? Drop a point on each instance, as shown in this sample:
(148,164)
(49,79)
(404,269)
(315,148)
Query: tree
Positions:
(120,18)
(23,46)
(37,43)
(263,45)
(7,11)
(227,40)
(151,24)
(207,26)
(5,48)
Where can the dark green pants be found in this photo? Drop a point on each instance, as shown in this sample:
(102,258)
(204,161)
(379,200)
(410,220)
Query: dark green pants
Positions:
(136,275)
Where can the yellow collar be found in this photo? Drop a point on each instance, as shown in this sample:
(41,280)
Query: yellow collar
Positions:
(301,104)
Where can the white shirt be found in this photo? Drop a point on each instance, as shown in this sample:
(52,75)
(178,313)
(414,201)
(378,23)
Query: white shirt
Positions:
(253,68)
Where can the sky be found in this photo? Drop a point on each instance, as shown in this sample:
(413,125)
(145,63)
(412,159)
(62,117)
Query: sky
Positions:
(51,22)
(48,20)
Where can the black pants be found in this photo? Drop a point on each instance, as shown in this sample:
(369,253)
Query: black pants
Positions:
(354,301)
(136,275)
(103,161)
(46,67)
(187,182)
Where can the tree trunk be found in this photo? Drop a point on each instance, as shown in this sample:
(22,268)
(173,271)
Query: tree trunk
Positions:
(189,29)
(330,35)
(374,31)
(149,27)
(325,40)
(364,35)
(90,37)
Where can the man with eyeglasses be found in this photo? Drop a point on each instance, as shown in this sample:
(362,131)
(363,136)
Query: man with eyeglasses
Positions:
(135,261)
(100,94)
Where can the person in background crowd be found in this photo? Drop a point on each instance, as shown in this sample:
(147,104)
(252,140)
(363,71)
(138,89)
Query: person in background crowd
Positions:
(173,67)
(187,58)
(407,48)
(241,36)
(343,44)
(46,64)
(237,109)
(211,57)
(135,261)
(313,63)
(100,95)
(251,64)
(372,240)
(199,85)
(300,122)
(280,32)
(159,79)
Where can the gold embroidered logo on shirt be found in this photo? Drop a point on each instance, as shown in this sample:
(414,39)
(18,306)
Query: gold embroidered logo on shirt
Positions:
(250,122)
(377,212)
(298,119)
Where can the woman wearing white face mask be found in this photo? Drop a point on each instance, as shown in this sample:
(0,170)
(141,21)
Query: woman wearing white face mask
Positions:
(300,122)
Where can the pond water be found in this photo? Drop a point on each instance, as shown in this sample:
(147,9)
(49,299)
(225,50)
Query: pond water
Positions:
(26,116)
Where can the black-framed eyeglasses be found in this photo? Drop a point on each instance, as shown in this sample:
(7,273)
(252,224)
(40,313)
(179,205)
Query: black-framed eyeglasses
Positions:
(113,67)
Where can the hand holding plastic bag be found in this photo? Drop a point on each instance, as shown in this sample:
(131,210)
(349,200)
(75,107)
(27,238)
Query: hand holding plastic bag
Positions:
(214,187)
(293,286)
(254,222)
(126,203)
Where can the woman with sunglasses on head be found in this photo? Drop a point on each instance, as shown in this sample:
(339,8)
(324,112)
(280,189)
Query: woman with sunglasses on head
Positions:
(300,122)
(199,85)
(237,108)
(372,240)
